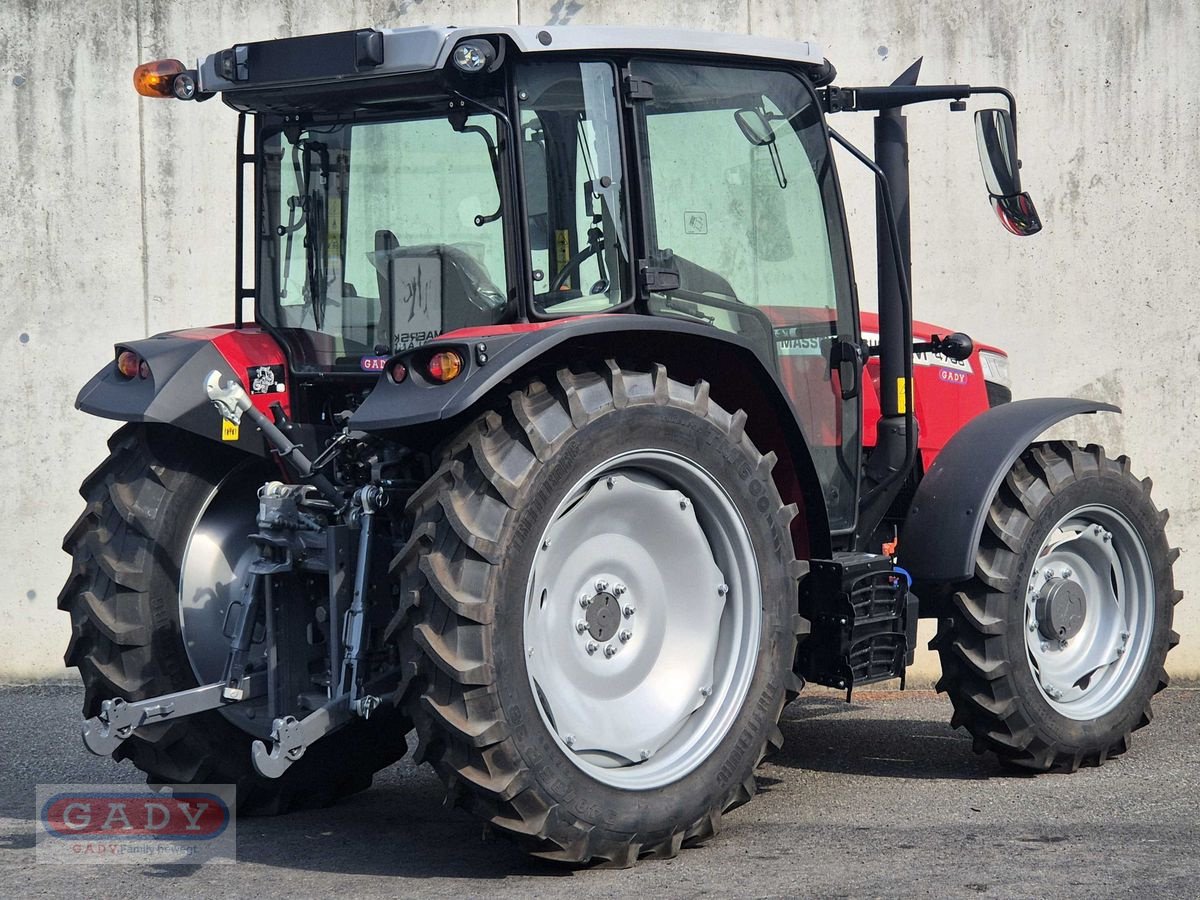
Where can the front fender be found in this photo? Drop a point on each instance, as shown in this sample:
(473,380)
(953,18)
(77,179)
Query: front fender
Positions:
(945,520)
(173,394)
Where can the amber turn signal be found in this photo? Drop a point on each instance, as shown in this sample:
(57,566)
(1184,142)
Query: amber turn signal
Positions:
(157,79)
(445,365)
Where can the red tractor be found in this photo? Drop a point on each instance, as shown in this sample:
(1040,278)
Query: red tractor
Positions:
(558,436)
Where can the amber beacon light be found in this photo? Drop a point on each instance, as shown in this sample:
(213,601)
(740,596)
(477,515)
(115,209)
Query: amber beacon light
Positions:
(157,79)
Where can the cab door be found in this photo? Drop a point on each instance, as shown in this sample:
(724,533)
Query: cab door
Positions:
(741,206)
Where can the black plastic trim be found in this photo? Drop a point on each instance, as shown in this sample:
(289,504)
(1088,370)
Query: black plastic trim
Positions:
(416,401)
(172,395)
(946,518)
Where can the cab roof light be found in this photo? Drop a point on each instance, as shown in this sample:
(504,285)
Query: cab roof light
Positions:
(473,57)
(157,79)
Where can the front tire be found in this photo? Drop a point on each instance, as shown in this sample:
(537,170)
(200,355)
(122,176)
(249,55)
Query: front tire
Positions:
(575,551)
(1052,652)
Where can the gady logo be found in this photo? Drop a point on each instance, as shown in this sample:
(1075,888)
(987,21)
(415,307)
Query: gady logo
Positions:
(87,816)
(136,824)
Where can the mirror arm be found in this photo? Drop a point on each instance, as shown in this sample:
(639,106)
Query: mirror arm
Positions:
(1007,95)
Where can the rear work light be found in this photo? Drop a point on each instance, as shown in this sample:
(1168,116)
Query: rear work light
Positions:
(157,79)
(130,365)
(444,366)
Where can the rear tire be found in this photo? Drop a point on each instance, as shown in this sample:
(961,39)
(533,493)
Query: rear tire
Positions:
(1054,649)
(482,527)
(123,597)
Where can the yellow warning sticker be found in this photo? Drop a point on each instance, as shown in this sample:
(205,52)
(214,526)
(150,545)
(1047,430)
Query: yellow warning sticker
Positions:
(902,395)
(562,253)
(229,431)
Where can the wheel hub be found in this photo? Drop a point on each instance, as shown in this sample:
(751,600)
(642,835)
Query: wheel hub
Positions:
(1089,612)
(641,620)
(1061,609)
(603,616)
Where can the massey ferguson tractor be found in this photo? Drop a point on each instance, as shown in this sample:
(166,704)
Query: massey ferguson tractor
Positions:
(555,433)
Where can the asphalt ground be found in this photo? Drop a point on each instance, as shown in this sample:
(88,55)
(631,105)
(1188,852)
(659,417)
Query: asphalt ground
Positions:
(875,799)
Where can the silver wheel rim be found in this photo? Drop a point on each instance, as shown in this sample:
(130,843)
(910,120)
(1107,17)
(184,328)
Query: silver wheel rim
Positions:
(216,560)
(642,619)
(1089,612)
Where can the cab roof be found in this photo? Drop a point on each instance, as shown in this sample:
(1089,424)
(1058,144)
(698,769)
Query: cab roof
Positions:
(373,53)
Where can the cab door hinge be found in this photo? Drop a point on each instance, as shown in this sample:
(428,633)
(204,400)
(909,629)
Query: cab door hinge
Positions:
(638,89)
(657,279)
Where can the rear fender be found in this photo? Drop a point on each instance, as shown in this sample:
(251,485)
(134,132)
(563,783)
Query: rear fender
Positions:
(498,357)
(945,520)
(173,394)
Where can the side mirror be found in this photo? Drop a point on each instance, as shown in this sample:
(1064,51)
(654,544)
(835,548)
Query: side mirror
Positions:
(755,126)
(1002,172)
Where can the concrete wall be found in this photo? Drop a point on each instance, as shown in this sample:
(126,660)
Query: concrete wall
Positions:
(117,221)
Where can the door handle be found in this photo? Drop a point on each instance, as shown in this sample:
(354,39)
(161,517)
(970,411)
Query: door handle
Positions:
(847,356)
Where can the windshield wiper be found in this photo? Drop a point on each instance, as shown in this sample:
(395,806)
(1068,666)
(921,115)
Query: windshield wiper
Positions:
(316,243)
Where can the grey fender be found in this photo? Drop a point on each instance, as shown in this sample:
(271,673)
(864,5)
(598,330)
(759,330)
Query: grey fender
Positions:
(174,392)
(945,520)
(496,361)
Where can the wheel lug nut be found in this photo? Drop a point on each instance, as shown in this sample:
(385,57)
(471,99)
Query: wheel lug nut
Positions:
(619,589)
(585,601)
(1047,574)
(592,647)
(705,692)
(610,483)
(1066,573)
(610,651)
(1107,536)
(722,589)
(581,626)
(601,586)
(625,636)
(546,544)
(644,754)
(569,740)
(683,503)
(629,611)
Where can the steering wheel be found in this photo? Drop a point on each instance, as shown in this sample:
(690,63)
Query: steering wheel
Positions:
(572,265)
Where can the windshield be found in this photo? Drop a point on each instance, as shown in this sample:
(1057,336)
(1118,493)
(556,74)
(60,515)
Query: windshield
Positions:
(382,235)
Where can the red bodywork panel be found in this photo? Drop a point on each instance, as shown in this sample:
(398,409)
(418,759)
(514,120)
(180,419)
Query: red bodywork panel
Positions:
(247,349)
(946,394)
